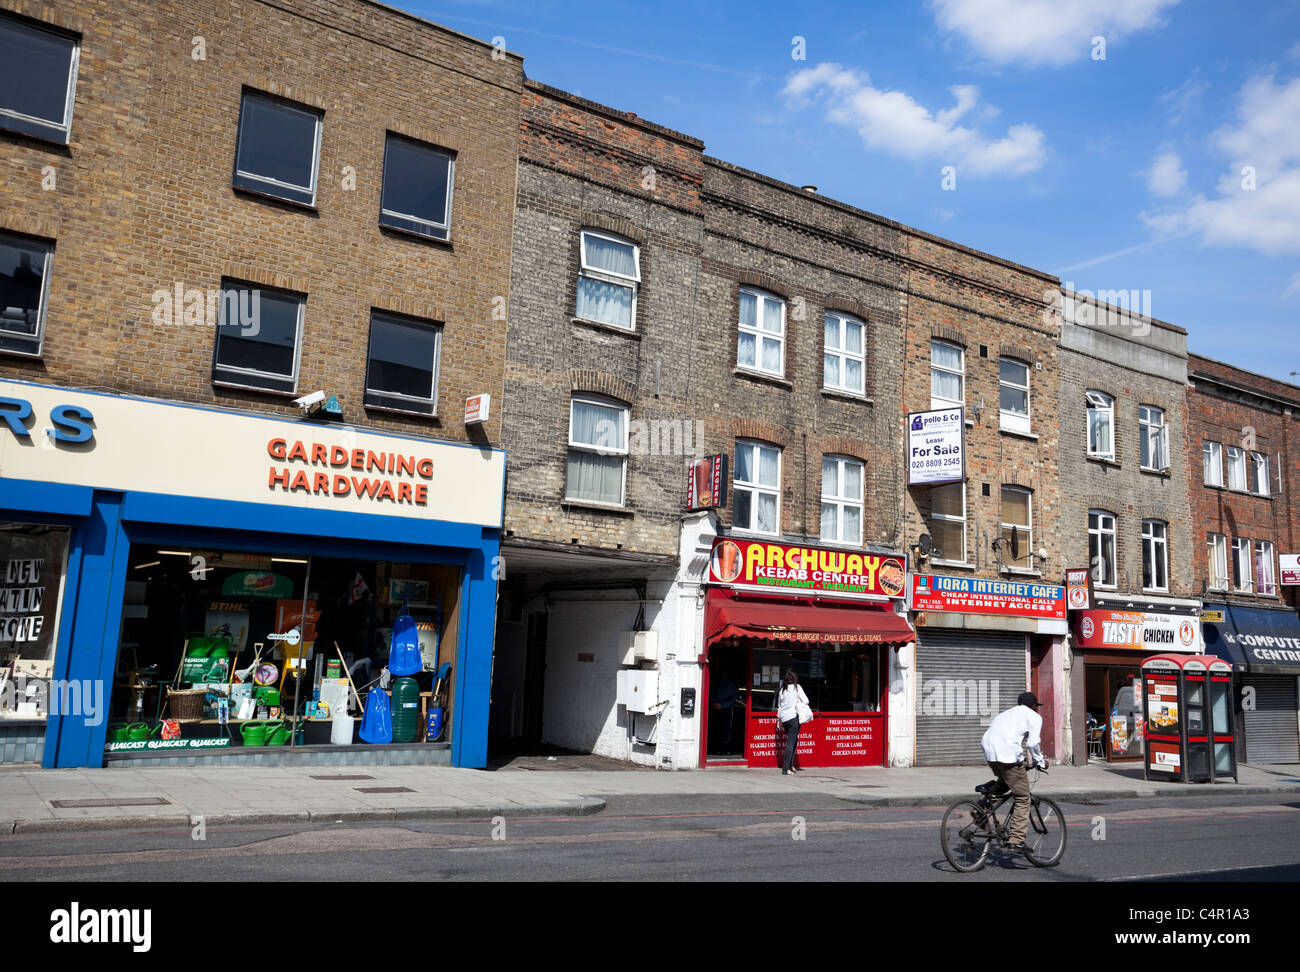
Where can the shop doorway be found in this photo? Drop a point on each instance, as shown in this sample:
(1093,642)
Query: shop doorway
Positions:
(728,688)
(1113,717)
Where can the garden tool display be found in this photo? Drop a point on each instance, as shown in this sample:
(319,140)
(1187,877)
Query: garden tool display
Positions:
(404,656)
(355,694)
(434,729)
(246,674)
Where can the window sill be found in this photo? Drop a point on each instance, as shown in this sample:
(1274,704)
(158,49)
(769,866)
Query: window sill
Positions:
(753,534)
(37,132)
(1021,572)
(400,411)
(626,332)
(959,564)
(598,507)
(272,197)
(1162,473)
(1246,492)
(29,355)
(847,395)
(1019,435)
(765,377)
(221,383)
(411,234)
(1104,461)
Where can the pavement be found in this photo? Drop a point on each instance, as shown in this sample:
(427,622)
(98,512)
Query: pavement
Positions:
(35,800)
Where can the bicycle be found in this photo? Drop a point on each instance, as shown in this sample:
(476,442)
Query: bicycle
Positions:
(971,827)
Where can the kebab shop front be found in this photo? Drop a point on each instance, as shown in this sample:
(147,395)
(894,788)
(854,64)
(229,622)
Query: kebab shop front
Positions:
(831,616)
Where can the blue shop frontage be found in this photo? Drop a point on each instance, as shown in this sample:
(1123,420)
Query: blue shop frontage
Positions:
(183,583)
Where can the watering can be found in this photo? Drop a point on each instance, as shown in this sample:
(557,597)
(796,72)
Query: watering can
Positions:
(278,733)
(138,732)
(117,732)
(254,733)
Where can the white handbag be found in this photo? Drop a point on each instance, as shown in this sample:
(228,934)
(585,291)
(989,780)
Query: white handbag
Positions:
(805,712)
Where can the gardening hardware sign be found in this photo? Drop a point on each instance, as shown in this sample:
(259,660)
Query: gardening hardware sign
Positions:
(757,565)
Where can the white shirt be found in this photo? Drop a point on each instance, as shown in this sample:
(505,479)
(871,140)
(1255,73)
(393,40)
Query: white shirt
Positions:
(787,703)
(1002,741)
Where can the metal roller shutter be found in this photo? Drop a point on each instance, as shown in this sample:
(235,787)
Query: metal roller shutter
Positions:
(1271,733)
(955,665)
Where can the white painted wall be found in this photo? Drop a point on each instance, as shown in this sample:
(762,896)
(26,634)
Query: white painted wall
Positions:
(902,706)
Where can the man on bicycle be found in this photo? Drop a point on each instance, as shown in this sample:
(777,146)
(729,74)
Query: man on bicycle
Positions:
(1009,735)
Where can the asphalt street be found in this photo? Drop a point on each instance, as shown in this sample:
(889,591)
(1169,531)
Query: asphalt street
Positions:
(689,838)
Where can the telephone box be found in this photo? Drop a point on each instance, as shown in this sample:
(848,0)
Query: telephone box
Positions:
(1187,709)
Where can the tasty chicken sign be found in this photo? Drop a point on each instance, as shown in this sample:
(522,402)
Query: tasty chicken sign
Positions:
(778,567)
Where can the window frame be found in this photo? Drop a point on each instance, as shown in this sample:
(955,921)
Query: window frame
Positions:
(840,501)
(1102,533)
(842,354)
(601,401)
(759,332)
(265,185)
(1238,453)
(737,484)
(1108,409)
(1014,421)
(608,276)
(1243,581)
(936,402)
(59,133)
(1150,543)
(237,372)
(407,222)
(1029,528)
(960,486)
(1217,544)
(1212,451)
(1161,436)
(398,399)
(1261,547)
(1254,462)
(37,340)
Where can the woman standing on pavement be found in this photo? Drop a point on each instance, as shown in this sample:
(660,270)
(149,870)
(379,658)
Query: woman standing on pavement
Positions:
(788,703)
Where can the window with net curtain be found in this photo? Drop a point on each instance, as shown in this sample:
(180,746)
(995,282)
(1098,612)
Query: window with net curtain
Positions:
(841,500)
(608,279)
(598,448)
(844,357)
(756,486)
(760,344)
(947,375)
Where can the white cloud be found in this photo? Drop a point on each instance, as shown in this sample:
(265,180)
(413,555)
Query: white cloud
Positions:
(1044,32)
(1183,99)
(1262,148)
(1167,177)
(894,122)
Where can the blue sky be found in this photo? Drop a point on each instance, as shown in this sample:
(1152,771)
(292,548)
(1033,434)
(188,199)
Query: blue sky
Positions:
(1122,172)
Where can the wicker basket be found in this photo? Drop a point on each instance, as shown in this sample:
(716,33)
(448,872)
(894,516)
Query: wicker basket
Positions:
(186,704)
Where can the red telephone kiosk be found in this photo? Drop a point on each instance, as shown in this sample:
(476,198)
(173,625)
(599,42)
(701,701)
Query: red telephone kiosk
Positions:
(1187,709)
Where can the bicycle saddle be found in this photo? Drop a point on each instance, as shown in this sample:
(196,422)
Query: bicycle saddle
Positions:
(993,788)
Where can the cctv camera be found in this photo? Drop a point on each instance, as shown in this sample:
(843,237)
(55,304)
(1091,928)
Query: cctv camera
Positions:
(307,401)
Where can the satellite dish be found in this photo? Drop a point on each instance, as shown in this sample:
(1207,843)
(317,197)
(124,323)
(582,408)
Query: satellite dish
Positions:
(1015,544)
(925,544)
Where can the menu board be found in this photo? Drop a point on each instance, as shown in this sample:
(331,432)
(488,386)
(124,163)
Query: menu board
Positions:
(829,740)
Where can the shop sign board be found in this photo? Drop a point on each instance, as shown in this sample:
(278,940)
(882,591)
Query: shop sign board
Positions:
(1290,568)
(829,740)
(706,483)
(973,595)
(146,446)
(1138,631)
(935,452)
(477,409)
(757,565)
(1078,588)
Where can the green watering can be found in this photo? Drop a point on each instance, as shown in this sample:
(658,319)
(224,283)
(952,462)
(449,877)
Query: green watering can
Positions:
(117,732)
(277,734)
(254,733)
(138,732)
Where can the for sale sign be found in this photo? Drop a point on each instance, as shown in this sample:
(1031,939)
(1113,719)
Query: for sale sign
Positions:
(935,452)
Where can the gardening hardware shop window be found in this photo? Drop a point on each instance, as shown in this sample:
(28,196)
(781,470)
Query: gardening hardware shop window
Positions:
(842,500)
(33,570)
(608,279)
(24,292)
(756,486)
(417,188)
(596,471)
(1101,425)
(402,366)
(279,149)
(41,68)
(761,344)
(258,338)
(844,359)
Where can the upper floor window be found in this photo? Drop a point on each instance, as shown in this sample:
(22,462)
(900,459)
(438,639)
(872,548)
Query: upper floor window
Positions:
(761,345)
(1101,548)
(1155,555)
(258,338)
(756,488)
(1264,568)
(1236,468)
(1216,545)
(1241,568)
(279,148)
(1259,474)
(598,448)
(948,521)
(402,364)
(41,66)
(417,189)
(841,500)
(24,290)
(1101,425)
(1153,438)
(947,375)
(1013,382)
(1212,458)
(608,279)
(1017,523)
(844,358)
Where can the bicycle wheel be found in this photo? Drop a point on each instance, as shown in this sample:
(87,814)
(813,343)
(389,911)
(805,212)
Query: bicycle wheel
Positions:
(1045,841)
(965,836)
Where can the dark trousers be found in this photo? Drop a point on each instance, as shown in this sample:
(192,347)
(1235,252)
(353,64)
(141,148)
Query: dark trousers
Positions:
(791,741)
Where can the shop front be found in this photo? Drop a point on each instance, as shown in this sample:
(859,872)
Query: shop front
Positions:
(980,643)
(191,583)
(1114,643)
(1263,645)
(830,615)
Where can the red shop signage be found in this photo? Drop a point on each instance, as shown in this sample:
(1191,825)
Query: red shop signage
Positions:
(757,565)
(853,739)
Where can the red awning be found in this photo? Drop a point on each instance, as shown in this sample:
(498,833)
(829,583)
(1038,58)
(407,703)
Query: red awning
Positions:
(808,623)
